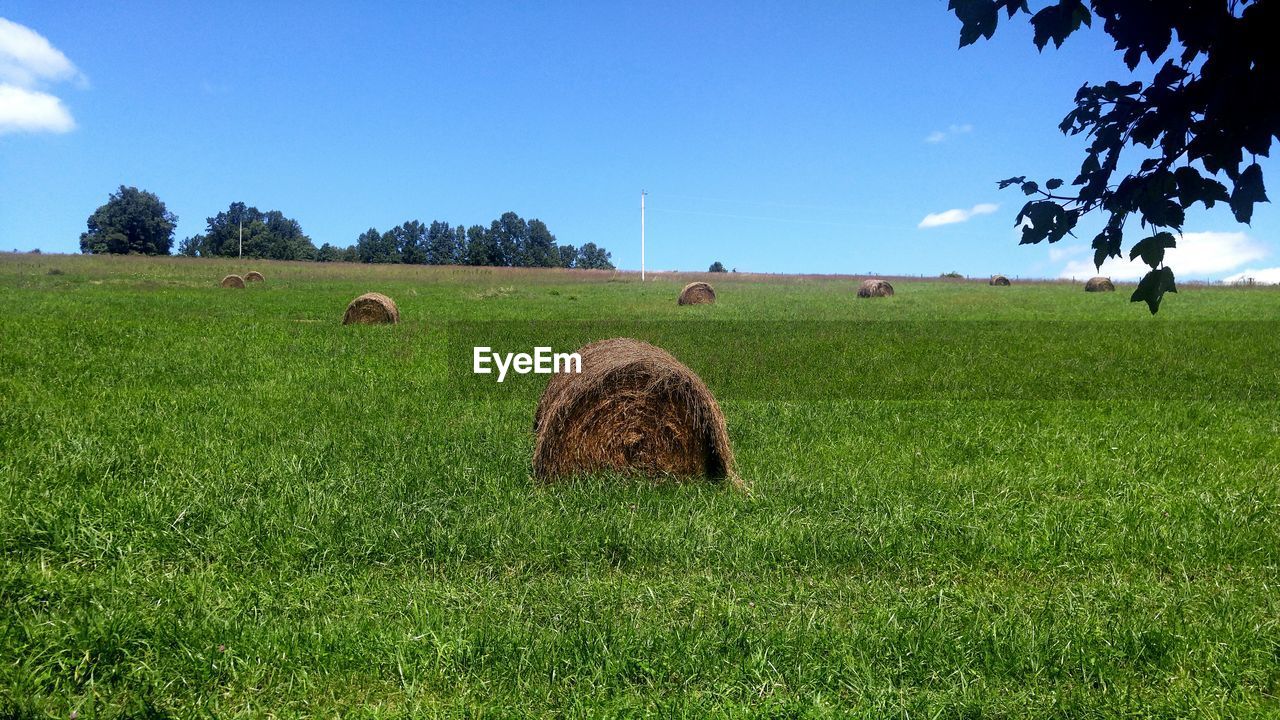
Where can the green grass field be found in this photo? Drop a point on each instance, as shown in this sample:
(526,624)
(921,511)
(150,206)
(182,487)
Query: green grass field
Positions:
(965,501)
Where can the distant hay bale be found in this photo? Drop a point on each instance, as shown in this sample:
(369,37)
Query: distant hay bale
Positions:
(633,409)
(254,276)
(371,309)
(999,280)
(233,281)
(697,293)
(875,288)
(1099,284)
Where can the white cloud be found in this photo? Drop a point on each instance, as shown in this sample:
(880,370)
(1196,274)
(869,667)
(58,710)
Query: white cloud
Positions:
(938,136)
(1115,270)
(27,62)
(1265,276)
(32,111)
(1198,255)
(26,58)
(1064,252)
(959,215)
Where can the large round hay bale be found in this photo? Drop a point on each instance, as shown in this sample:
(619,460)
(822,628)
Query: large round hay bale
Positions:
(999,281)
(875,288)
(233,281)
(1099,284)
(633,409)
(697,293)
(254,276)
(371,309)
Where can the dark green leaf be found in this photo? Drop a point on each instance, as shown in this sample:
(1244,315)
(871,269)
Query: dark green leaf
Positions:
(1170,74)
(1151,249)
(1212,191)
(1248,190)
(1015,6)
(1056,22)
(1165,214)
(1152,287)
(1045,219)
(1107,244)
(978,18)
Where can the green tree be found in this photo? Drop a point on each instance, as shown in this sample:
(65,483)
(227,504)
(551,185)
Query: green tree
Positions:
(375,247)
(508,234)
(222,235)
(261,234)
(482,249)
(328,253)
(442,244)
(540,249)
(278,238)
(716,266)
(568,256)
(132,221)
(591,257)
(410,241)
(460,244)
(1205,116)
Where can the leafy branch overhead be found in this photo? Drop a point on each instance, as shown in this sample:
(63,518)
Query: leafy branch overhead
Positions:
(1200,124)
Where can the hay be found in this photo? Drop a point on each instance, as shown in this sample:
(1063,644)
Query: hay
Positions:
(233,281)
(1099,284)
(633,409)
(371,309)
(875,288)
(254,276)
(999,281)
(697,293)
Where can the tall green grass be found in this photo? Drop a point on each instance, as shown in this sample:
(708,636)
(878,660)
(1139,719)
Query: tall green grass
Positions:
(965,502)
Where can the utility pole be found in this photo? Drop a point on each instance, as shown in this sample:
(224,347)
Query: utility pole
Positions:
(642,194)
(241,253)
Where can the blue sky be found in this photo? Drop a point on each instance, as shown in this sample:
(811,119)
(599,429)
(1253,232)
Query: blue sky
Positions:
(812,137)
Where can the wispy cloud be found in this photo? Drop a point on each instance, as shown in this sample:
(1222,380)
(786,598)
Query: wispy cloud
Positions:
(1058,253)
(958,215)
(28,62)
(1266,276)
(938,136)
(1198,255)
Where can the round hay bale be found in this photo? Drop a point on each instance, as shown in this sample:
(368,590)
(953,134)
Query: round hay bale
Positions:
(371,309)
(233,281)
(254,276)
(875,288)
(999,281)
(697,293)
(633,409)
(1099,284)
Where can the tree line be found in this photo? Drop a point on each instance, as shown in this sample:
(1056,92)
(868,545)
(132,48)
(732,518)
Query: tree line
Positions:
(137,221)
(509,241)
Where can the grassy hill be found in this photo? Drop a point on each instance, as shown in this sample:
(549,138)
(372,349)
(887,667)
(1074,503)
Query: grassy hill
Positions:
(964,501)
